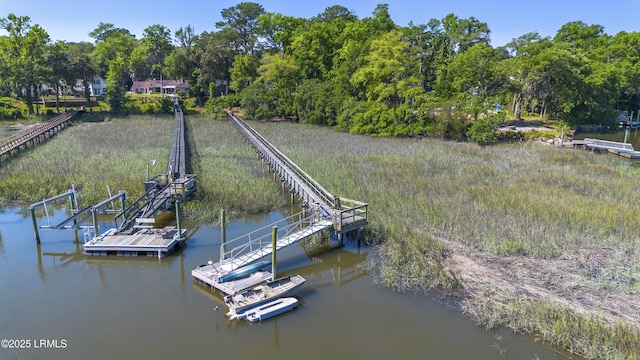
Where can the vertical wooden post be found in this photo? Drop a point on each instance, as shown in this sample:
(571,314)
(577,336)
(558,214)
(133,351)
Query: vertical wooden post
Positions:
(626,135)
(94,214)
(179,219)
(274,241)
(35,225)
(223,234)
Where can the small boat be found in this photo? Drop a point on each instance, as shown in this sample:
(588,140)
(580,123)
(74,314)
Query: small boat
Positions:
(243,272)
(242,301)
(272,309)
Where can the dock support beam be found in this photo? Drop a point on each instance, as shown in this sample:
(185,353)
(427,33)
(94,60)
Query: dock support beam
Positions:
(626,135)
(179,219)
(35,224)
(94,215)
(223,233)
(274,241)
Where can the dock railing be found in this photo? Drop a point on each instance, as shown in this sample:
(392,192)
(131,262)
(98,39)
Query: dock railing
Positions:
(608,145)
(21,138)
(260,239)
(281,164)
(351,212)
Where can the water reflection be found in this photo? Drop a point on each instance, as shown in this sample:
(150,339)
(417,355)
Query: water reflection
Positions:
(1,246)
(111,307)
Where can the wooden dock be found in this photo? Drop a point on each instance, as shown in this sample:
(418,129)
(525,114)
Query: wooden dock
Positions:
(207,275)
(40,132)
(144,242)
(136,235)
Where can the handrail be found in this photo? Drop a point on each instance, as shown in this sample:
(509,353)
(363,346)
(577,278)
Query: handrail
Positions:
(23,137)
(255,240)
(273,155)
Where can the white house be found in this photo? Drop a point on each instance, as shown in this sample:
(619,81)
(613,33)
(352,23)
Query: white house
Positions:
(154,86)
(96,86)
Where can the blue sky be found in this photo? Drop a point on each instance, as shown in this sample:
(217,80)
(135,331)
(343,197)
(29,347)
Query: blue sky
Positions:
(72,20)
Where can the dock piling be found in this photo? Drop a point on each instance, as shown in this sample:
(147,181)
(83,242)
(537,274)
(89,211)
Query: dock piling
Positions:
(274,241)
(35,224)
(223,233)
(178,220)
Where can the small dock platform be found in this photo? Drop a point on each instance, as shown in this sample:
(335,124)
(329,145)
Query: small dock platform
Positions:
(635,155)
(144,242)
(208,275)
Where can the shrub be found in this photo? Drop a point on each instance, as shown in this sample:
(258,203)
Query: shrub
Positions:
(483,131)
(11,109)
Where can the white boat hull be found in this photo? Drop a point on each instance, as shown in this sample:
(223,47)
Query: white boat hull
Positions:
(271,309)
(251,298)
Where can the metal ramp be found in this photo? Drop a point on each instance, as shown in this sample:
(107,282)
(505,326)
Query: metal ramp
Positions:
(254,246)
(608,145)
(258,244)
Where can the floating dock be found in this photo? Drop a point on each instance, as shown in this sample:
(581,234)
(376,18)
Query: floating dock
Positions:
(144,242)
(208,275)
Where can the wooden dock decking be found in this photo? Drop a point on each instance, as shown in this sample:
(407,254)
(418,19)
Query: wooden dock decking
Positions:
(146,242)
(136,234)
(42,130)
(327,211)
(207,275)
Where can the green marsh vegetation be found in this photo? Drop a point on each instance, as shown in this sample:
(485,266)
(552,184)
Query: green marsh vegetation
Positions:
(567,214)
(115,152)
(481,222)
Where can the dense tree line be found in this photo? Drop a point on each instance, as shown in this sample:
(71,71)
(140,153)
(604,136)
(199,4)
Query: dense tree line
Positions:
(364,75)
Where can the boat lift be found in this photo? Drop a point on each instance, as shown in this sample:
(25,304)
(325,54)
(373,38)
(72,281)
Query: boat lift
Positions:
(80,216)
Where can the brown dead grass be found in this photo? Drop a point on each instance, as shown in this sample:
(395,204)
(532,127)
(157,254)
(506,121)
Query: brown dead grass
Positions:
(574,279)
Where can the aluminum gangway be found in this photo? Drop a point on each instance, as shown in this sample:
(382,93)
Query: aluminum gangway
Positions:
(608,145)
(256,245)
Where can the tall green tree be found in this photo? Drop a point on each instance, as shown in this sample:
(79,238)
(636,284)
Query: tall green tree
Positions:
(182,62)
(522,68)
(278,30)
(24,53)
(282,74)
(472,76)
(117,77)
(154,47)
(214,55)
(111,44)
(58,61)
(242,21)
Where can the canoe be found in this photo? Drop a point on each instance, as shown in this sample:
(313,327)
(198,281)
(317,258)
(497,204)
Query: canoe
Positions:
(243,272)
(244,300)
(272,309)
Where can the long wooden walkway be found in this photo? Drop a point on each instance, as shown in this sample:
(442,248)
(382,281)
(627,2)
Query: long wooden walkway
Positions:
(347,214)
(39,132)
(137,233)
(321,211)
(161,190)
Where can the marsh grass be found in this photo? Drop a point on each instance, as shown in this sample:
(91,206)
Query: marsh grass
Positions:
(115,153)
(230,175)
(89,156)
(533,198)
(519,200)
(588,335)
(522,199)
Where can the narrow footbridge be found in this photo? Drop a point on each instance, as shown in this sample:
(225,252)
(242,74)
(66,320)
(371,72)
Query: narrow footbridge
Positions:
(40,132)
(321,210)
(165,189)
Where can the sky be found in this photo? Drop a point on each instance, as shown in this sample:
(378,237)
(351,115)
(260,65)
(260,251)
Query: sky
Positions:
(72,20)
